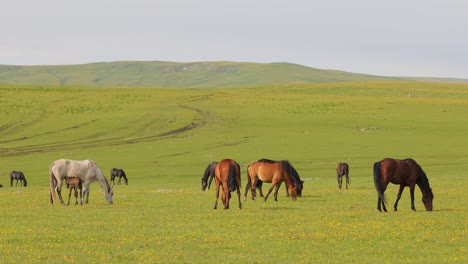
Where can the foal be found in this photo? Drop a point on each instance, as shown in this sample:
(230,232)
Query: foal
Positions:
(75,183)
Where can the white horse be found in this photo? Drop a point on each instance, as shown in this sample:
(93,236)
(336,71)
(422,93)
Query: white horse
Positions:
(88,172)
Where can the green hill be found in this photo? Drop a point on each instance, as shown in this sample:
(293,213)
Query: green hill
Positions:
(173,74)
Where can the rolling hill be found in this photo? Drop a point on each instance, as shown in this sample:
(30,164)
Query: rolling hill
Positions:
(175,74)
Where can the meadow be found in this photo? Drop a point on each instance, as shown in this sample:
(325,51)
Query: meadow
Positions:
(164,139)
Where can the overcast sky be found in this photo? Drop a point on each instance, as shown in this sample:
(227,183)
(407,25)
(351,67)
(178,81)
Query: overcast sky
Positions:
(395,38)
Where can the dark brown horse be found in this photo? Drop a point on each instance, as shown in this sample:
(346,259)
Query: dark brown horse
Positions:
(342,170)
(405,173)
(274,172)
(118,173)
(18,176)
(209,173)
(227,175)
(297,180)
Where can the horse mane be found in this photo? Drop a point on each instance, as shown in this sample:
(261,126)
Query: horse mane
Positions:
(291,171)
(424,180)
(267,161)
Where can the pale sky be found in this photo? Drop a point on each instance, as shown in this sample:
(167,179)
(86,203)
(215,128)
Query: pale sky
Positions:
(392,38)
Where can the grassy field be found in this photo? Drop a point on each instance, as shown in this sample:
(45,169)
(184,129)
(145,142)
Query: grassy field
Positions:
(164,139)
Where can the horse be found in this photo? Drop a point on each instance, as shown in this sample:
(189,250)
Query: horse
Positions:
(118,173)
(297,180)
(227,175)
(342,170)
(209,173)
(18,176)
(86,170)
(405,173)
(74,183)
(274,172)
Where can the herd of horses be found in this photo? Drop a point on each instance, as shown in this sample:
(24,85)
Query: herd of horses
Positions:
(78,175)
(406,173)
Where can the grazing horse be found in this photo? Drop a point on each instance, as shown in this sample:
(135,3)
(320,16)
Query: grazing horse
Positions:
(297,180)
(118,173)
(86,170)
(74,183)
(342,170)
(18,176)
(405,173)
(209,173)
(274,172)
(227,175)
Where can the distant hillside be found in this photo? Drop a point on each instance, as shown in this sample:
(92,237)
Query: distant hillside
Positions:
(173,74)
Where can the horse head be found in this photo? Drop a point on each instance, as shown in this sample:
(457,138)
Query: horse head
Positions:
(109,195)
(427,199)
(204,184)
(293,193)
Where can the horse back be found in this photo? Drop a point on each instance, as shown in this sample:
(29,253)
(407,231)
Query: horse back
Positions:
(267,172)
(399,171)
(223,168)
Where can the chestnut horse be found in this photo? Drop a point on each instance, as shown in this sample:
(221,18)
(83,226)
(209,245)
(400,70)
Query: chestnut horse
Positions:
(342,170)
(209,173)
(74,183)
(227,175)
(274,172)
(297,180)
(405,173)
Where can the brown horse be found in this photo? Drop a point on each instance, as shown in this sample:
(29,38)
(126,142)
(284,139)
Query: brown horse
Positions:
(405,173)
(74,183)
(274,172)
(227,175)
(342,170)
(292,171)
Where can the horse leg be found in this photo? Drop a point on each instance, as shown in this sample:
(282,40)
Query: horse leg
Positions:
(76,195)
(273,184)
(69,195)
(398,196)
(217,195)
(247,188)
(85,193)
(412,197)
(11,182)
(81,195)
(226,195)
(340,182)
(253,185)
(239,196)
(59,192)
(276,191)
(120,178)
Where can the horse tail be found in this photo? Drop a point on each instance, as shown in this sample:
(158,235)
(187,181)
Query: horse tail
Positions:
(378,181)
(52,183)
(232,184)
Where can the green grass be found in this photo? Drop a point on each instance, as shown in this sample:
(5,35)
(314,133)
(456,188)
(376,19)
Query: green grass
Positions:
(164,139)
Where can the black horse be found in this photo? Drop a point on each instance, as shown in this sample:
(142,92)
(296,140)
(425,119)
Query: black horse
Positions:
(18,176)
(118,173)
(342,170)
(209,174)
